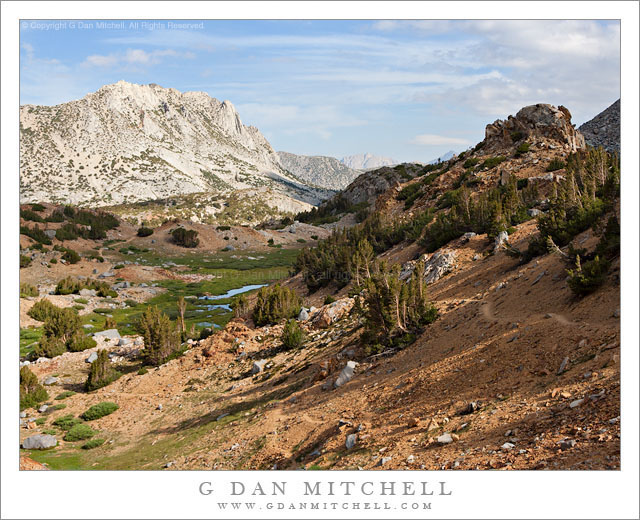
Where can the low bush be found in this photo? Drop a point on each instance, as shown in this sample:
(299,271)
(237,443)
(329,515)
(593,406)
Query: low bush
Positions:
(70,256)
(585,279)
(66,422)
(292,335)
(65,394)
(80,342)
(37,207)
(25,261)
(143,371)
(93,443)
(492,162)
(42,310)
(99,410)
(79,432)
(49,347)
(471,162)
(522,149)
(185,238)
(27,214)
(82,301)
(329,299)
(36,233)
(145,231)
(28,290)
(555,164)
(56,407)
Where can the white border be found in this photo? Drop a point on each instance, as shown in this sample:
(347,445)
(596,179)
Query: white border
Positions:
(175,494)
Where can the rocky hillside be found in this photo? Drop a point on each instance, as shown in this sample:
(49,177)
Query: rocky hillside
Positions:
(326,172)
(604,129)
(127,143)
(470,321)
(366,161)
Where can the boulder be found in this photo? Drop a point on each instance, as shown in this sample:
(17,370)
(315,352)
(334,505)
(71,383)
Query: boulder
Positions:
(108,334)
(39,442)
(92,357)
(533,212)
(43,408)
(87,292)
(228,248)
(445,438)
(304,315)
(502,237)
(346,374)
(50,380)
(124,341)
(332,313)
(258,366)
(351,441)
(106,274)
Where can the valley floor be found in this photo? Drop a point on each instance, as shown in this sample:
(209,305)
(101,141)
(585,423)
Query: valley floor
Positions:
(517,372)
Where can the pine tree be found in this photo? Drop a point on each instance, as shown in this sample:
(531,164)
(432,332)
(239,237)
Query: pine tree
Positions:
(161,339)
(101,372)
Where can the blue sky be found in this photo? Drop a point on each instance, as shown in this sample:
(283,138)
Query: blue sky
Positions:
(410,90)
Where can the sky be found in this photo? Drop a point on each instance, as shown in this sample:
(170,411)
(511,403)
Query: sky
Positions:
(410,90)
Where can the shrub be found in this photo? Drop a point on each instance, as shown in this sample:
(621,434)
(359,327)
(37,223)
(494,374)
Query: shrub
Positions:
(492,162)
(292,335)
(27,214)
(101,372)
(68,232)
(99,410)
(585,279)
(36,233)
(142,371)
(65,394)
(223,228)
(93,443)
(56,216)
(145,231)
(49,347)
(522,149)
(160,336)
(53,261)
(314,237)
(82,301)
(79,432)
(28,290)
(56,407)
(329,299)
(41,420)
(110,323)
(25,261)
(66,422)
(185,238)
(37,207)
(80,341)
(68,285)
(70,256)
(555,164)
(31,392)
(471,162)
(62,324)
(275,303)
(42,310)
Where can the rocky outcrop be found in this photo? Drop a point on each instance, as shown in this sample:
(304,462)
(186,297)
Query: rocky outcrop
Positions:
(604,129)
(331,313)
(326,172)
(436,266)
(532,123)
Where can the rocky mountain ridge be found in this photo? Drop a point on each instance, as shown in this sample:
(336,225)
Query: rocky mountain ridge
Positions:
(318,170)
(604,129)
(128,142)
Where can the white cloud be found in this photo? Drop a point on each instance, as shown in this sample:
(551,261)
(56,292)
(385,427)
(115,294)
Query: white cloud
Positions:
(134,57)
(438,140)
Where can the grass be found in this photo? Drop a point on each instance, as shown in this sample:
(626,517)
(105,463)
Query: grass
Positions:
(27,337)
(229,274)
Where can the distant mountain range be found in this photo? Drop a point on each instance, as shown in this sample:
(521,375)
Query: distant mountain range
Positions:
(366,161)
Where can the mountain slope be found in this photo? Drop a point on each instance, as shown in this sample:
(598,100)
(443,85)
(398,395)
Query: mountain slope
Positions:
(128,142)
(365,161)
(604,129)
(326,172)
